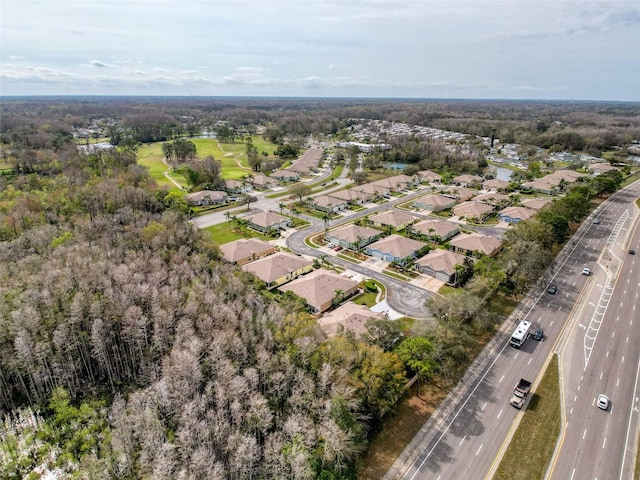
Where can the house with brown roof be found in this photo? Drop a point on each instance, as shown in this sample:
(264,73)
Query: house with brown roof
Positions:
(321,289)
(427,176)
(350,317)
(397,182)
(246,250)
(600,168)
(542,185)
(398,219)
(495,185)
(235,186)
(437,230)
(475,243)
(466,180)
(516,214)
(395,248)
(460,194)
(262,182)
(267,221)
(327,203)
(435,202)
(371,191)
(493,199)
(440,264)
(353,237)
(278,269)
(535,203)
(206,197)
(349,195)
(473,210)
(301,168)
(286,176)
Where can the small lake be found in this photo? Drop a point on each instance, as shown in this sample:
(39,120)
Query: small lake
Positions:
(394,165)
(503,173)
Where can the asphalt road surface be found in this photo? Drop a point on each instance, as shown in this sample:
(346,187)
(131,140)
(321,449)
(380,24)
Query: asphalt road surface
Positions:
(464,438)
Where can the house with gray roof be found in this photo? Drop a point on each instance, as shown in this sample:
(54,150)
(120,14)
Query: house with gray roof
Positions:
(322,289)
(495,185)
(278,269)
(206,197)
(493,199)
(466,180)
(427,176)
(460,194)
(395,248)
(349,195)
(440,264)
(235,186)
(353,236)
(286,176)
(246,250)
(372,191)
(262,182)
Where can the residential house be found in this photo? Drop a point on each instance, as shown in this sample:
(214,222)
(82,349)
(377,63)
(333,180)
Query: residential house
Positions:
(395,248)
(235,186)
(286,176)
(427,176)
(542,185)
(473,210)
(246,250)
(351,196)
(353,236)
(435,203)
(516,214)
(329,204)
(493,198)
(267,221)
(495,185)
(322,289)
(466,180)
(535,203)
(350,317)
(396,183)
(262,182)
(437,230)
(206,197)
(278,269)
(460,194)
(398,219)
(371,191)
(301,168)
(475,243)
(600,168)
(440,264)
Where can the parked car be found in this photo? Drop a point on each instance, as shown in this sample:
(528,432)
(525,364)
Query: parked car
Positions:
(338,248)
(596,221)
(538,334)
(553,289)
(632,252)
(603,401)
(331,245)
(586,271)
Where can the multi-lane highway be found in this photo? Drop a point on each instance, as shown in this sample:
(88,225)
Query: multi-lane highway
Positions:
(465,437)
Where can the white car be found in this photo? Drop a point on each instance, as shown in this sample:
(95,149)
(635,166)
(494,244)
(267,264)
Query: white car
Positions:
(586,271)
(603,401)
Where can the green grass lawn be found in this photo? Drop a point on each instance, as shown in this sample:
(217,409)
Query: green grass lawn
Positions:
(221,234)
(367,298)
(532,445)
(150,156)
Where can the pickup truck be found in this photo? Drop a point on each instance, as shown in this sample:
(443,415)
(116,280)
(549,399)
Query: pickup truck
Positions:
(520,392)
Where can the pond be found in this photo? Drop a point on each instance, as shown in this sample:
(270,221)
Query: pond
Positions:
(503,173)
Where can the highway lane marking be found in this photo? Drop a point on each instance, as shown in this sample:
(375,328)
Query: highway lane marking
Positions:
(604,442)
(551,323)
(607,354)
(500,413)
(571,411)
(501,378)
(516,355)
(601,375)
(627,340)
(613,334)
(584,434)
(579,387)
(573,472)
(529,362)
(575,398)
(482,409)
(618,383)
(622,359)
(462,440)
(617,317)
(479,450)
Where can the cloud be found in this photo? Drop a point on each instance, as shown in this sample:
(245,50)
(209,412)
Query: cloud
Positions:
(99,64)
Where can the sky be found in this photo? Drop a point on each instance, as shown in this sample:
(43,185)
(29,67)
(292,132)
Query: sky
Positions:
(508,49)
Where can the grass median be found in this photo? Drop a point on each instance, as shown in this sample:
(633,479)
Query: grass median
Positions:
(532,445)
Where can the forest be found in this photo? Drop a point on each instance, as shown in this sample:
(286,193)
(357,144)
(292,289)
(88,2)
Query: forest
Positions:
(128,349)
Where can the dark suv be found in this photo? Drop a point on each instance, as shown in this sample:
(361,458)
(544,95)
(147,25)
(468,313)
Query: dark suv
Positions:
(553,289)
